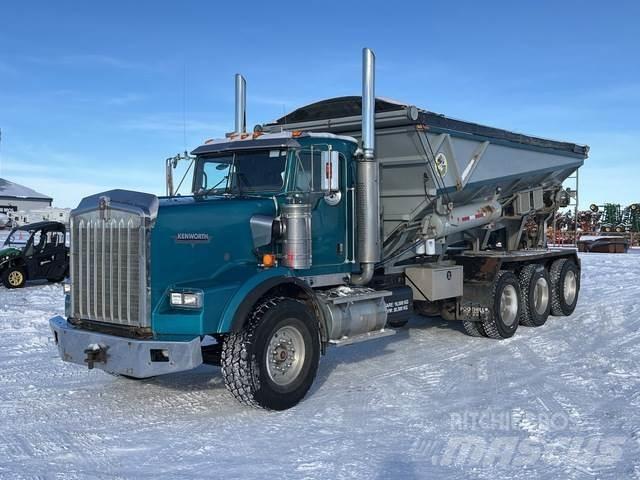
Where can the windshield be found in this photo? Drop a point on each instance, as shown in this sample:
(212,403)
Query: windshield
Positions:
(253,171)
(17,239)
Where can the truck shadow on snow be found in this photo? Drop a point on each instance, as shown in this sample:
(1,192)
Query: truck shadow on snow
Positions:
(375,349)
(207,377)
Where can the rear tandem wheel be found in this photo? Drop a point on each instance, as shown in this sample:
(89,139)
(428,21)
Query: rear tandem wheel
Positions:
(565,286)
(535,295)
(504,313)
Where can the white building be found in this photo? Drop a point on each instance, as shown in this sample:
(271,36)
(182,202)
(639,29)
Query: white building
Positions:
(53,214)
(20,205)
(14,197)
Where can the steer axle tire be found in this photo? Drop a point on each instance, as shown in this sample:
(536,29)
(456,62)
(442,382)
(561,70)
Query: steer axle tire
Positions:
(272,362)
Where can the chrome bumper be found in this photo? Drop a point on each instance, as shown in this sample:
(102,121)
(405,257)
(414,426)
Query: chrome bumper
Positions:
(124,356)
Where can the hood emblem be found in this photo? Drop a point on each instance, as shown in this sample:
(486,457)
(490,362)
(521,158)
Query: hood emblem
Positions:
(192,238)
(104,204)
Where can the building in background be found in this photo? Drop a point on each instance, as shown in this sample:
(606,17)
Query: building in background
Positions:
(20,205)
(15,197)
(24,217)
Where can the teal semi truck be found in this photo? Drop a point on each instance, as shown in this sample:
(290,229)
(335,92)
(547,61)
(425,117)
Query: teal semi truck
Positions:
(329,226)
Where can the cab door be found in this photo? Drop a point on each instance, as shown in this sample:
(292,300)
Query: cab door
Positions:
(316,169)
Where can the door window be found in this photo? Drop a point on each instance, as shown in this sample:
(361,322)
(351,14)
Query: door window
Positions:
(307,177)
(54,240)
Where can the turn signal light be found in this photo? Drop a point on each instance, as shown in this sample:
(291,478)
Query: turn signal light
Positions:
(296,133)
(268,260)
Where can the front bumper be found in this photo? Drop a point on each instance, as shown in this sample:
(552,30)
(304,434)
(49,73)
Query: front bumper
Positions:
(124,356)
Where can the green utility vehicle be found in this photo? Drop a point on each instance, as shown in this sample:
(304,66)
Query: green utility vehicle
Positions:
(36,251)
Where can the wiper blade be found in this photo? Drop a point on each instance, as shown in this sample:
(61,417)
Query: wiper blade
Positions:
(209,190)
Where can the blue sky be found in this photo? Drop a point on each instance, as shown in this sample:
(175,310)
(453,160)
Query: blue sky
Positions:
(94,95)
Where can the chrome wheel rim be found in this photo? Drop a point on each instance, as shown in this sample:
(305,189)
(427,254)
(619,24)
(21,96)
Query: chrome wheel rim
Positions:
(570,287)
(541,296)
(509,305)
(285,355)
(15,278)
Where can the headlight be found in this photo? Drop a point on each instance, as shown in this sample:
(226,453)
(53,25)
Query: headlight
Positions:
(186,299)
(66,288)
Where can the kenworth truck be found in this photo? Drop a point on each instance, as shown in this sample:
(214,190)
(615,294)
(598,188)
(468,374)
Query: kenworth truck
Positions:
(326,227)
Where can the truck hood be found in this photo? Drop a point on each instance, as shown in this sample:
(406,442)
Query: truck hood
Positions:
(195,239)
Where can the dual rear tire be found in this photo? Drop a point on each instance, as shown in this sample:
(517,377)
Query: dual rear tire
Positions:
(565,281)
(504,314)
(535,295)
(528,298)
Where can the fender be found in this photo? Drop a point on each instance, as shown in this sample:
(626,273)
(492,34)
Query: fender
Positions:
(244,309)
(228,298)
(239,308)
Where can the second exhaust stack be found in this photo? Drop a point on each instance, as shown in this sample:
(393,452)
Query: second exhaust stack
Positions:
(368,196)
(241,104)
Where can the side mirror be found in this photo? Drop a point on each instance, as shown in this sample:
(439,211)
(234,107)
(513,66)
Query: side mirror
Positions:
(330,174)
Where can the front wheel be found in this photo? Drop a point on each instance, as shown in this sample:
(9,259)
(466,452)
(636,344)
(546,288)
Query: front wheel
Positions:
(272,362)
(14,277)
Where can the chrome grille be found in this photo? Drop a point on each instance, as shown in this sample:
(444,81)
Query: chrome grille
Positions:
(108,268)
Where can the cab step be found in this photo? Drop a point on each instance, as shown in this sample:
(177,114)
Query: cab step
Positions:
(385,332)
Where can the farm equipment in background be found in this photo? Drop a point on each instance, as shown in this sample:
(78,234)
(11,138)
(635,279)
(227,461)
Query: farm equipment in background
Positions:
(565,221)
(608,228)
(631,218)
(589,221)
(611,219)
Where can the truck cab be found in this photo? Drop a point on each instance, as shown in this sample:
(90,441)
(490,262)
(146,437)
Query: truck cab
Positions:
(286,168)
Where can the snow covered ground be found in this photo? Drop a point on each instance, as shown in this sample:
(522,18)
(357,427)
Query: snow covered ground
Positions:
(561,401)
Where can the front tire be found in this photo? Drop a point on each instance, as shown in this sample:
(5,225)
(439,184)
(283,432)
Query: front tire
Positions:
(272,362)
(535,295)
(565,286)
(504,313)
(14,277)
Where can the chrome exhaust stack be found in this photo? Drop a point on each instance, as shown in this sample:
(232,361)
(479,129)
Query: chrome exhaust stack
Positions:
(367,189)
(241,104)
